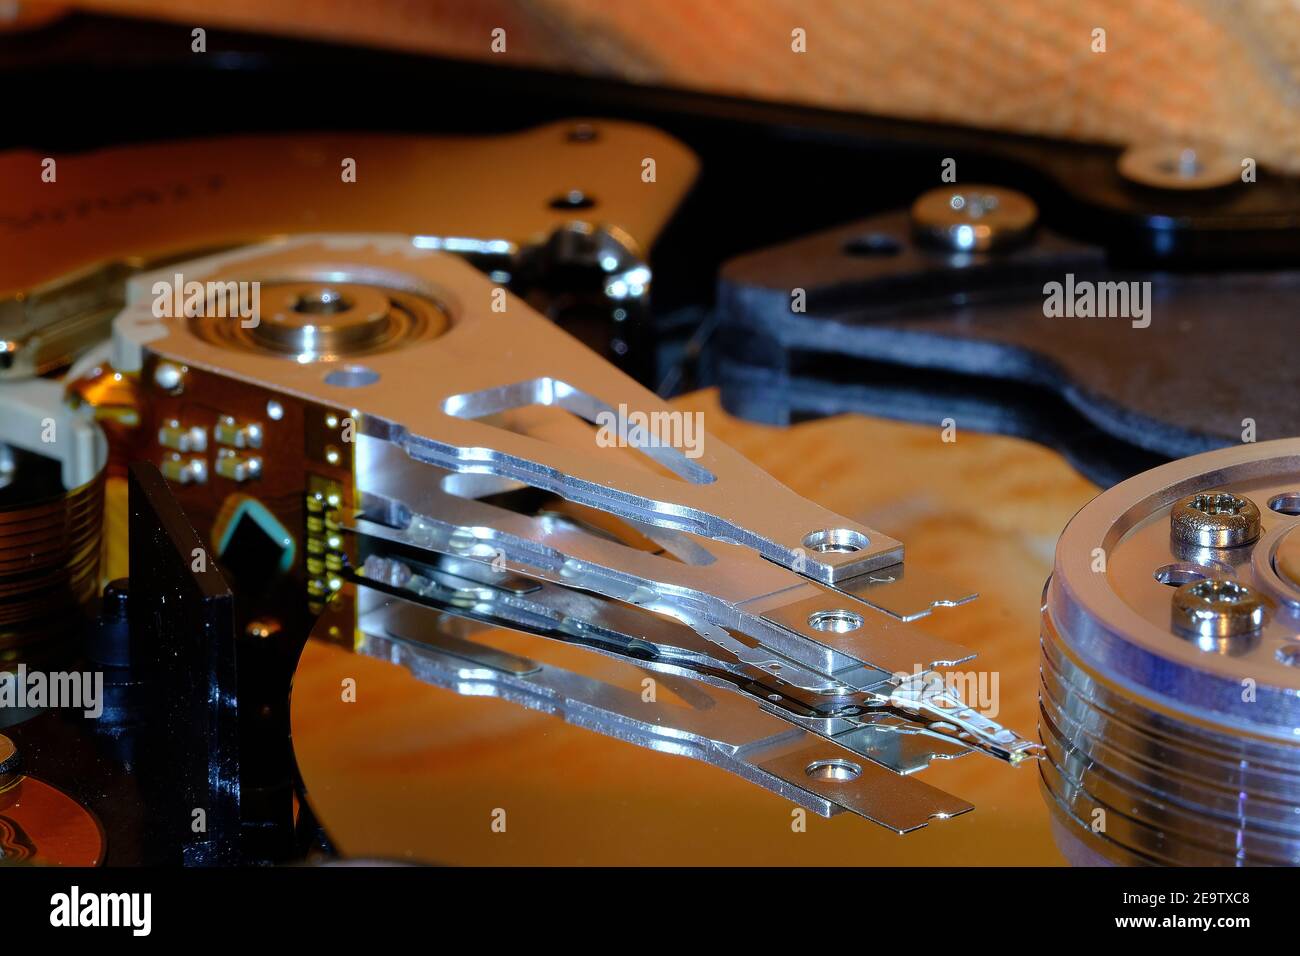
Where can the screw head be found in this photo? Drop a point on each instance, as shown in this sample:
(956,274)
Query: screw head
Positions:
(1217,608)
(973,218)
(1214,520)
(1179,166)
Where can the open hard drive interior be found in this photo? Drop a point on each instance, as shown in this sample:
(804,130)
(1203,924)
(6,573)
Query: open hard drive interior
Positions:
(587,471)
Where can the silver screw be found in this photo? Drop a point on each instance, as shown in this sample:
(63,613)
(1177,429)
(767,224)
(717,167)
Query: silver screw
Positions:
(1217,608)
(1179,166)
(973,218)
(1214,520)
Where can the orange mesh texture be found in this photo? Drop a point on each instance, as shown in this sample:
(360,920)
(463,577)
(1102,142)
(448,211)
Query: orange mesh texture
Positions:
(1220,71)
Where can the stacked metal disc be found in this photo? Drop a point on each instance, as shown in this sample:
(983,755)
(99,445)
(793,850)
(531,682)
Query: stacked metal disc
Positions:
(1170,696)
(49,547)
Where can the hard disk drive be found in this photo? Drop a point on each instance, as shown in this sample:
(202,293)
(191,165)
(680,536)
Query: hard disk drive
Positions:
(589,472)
